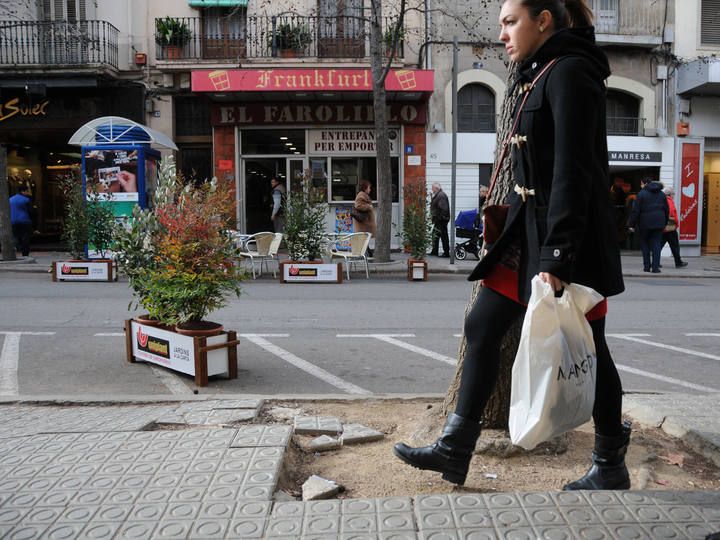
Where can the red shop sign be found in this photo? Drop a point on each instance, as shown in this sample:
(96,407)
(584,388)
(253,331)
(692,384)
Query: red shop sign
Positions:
(300,80)
(690,191)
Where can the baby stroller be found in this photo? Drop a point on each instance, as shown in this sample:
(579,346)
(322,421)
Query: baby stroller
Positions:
(468,225)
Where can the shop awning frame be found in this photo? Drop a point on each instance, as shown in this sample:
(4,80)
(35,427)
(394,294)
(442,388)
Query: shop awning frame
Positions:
(116,130)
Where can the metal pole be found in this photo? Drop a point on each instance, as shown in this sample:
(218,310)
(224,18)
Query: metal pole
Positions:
(453,178)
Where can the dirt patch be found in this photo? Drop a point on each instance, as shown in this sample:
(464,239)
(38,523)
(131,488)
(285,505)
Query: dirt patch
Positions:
(655,460)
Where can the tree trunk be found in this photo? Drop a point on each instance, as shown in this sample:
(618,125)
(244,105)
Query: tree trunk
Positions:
(497,410)
(6,237)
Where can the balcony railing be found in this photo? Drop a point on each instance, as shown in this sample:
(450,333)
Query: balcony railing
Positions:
(637,21)
(268,37)
(42,43)
(622,125)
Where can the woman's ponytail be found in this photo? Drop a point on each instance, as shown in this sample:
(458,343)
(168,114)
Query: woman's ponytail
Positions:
(565,13)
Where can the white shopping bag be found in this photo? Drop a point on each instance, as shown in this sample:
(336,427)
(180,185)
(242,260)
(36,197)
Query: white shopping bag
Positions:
(553,378)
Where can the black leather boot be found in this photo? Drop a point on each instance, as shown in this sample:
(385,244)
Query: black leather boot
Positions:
(450,454)
(608,470)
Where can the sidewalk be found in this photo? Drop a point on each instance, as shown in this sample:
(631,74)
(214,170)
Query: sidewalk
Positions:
(114,472)
(707,266)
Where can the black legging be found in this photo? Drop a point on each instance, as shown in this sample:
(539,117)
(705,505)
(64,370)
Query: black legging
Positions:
(489,319)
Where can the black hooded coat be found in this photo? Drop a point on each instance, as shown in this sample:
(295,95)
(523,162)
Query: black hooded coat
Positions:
(567,228)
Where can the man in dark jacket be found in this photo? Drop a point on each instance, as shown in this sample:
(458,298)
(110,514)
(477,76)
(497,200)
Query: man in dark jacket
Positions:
(650,214)
(440,214)
(21,219)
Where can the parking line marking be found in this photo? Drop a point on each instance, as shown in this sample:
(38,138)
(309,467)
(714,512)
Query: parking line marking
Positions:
(419,350)
(109,334)
(663,346)
(376,336)
(9,360)
(173,383)
(306,366)
(664,379)
(703,334)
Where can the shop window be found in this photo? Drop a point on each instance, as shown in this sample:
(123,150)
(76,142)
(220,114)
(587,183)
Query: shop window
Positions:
(223,32)
(623,114)
(476,109)
(192,116)
(348,172)
(710,22)
(273,142)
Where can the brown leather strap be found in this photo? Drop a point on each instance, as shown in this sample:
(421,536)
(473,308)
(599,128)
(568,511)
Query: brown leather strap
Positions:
(506,144)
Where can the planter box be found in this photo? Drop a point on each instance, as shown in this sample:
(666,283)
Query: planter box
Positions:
(417,270)
(200,357)
(310,272)
(104,270)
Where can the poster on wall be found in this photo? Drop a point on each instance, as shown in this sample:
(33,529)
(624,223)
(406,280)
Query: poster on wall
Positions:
(690,191)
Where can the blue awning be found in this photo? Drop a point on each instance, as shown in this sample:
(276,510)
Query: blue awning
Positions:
(115,130)
(218,3)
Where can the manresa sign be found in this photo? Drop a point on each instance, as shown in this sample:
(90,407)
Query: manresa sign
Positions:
(316,113)
(635,157)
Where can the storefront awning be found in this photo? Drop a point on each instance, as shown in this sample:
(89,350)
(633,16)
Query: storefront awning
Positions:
(309,80)
(218,3)
(115,130)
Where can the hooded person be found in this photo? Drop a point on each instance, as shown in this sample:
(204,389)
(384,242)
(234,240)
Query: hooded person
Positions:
(650,214)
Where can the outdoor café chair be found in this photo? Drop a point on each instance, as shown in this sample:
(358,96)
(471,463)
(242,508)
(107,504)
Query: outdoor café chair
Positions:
(358,243)
(262,242)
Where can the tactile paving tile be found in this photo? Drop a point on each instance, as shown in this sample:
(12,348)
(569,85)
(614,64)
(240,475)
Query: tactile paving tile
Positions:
(262,435)
(357,433)
(317,425)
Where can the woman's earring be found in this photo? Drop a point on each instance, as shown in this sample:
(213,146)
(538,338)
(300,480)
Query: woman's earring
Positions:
(542,28)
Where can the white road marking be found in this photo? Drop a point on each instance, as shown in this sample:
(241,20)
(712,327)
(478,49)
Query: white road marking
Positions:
(701,334)
(664,379)
(306,366)
(9,360)
(391,338)
(110,334)
(628,337)
(457,335)
(173,383)
(376,336)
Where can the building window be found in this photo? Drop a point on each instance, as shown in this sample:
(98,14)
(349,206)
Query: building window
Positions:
(476,109)
(348,172)
(195,162)
(623,114)
(340,29)
(710,22)
(606,16)
(223,32)
(192,116)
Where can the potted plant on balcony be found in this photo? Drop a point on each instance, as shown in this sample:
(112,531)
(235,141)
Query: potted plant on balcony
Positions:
(172,35)
(290,39)
(389,41)
(416,229)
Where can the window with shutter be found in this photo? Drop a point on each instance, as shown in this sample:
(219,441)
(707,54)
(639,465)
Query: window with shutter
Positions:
(340,28)
(476,109)
(622,114)
(710,22)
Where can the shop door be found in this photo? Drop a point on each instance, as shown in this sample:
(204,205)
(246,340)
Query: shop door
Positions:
(257,191)
(295,168)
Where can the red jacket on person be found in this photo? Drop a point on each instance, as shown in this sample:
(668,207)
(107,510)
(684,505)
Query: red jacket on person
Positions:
(673,210)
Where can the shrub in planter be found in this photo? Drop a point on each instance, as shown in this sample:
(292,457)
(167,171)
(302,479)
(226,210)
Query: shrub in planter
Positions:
(191,256)
(100,224)
(305,214)
(291,37)
(416,220)
(75,221)
(172,32)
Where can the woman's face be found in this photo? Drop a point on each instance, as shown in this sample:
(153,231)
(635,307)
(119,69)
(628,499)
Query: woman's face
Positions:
(521,34)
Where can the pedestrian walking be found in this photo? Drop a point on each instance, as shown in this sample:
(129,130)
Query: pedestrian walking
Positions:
(650,214)
(670,232)
(559,226)
(277,214)
(21,211)
(440,215)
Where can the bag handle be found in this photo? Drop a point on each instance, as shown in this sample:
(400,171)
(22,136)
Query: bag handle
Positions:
(506,144)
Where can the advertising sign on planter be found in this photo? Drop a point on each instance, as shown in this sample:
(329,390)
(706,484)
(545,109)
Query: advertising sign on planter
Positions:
(307,272)
(197,356)
(84,271)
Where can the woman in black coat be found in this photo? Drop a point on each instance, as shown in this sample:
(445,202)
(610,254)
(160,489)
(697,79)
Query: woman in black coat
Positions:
(560,226)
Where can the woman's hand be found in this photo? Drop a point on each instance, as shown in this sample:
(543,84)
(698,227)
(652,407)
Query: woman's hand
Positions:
(555,282)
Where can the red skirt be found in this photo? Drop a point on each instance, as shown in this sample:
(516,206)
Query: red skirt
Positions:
(504,281)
